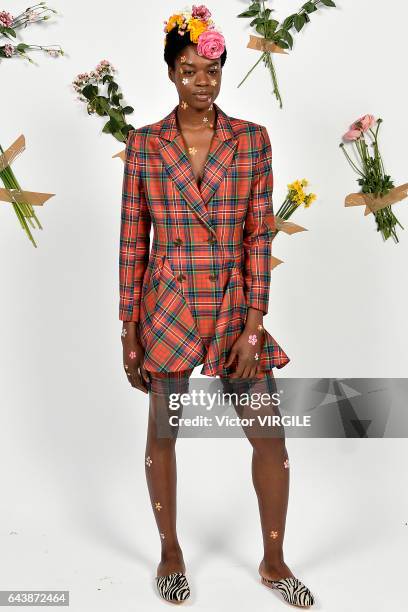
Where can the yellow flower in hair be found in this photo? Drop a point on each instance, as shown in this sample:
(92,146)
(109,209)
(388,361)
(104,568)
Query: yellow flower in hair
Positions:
(174,20)
(196,27)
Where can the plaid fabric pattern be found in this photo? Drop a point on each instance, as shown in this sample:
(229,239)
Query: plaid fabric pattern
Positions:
(210,254)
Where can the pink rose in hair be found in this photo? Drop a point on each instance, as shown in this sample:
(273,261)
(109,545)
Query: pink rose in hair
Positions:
(211,44)
(364,123)
(352,135)
(201,12)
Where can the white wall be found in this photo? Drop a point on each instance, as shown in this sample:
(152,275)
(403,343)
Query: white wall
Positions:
(338,303)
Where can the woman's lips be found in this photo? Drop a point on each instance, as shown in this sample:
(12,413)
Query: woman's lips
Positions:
(203,96)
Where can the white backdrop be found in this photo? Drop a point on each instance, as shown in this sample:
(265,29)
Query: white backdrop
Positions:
(72,429)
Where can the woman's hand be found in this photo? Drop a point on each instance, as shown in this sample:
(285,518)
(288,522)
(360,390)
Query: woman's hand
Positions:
(133,356)
(247,348)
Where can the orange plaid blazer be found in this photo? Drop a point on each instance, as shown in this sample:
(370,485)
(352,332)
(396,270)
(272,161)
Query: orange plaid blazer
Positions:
(210,254)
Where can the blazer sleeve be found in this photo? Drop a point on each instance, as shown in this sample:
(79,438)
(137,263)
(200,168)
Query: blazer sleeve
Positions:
(258,229)
(134,236)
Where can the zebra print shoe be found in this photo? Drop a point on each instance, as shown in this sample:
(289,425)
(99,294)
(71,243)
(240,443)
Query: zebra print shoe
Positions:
(173,587)
(292,590)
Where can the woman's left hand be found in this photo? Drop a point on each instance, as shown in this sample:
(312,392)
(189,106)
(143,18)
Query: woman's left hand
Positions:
(247,348)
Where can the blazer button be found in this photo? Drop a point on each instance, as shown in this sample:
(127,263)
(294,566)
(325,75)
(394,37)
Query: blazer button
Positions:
(181,277)
(213,277)
(177,242)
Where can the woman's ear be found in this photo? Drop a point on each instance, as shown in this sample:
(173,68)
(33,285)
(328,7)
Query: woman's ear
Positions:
(171,74)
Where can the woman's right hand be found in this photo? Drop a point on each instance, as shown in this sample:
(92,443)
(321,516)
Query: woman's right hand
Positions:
(133,356)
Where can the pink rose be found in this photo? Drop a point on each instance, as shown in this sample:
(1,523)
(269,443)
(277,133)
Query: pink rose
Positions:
(352,134)
(8,50)
(211,44)
(6,19)
(364,123)
(201,12)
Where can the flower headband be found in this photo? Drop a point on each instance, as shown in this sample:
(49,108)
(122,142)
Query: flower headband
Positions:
(197,21)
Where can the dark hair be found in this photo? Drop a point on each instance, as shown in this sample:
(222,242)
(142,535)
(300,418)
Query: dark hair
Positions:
(176,43)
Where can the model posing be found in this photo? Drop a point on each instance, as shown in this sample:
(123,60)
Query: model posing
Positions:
(203,180)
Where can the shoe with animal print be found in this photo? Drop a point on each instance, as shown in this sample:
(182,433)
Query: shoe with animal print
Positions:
(173,587)
(292,590)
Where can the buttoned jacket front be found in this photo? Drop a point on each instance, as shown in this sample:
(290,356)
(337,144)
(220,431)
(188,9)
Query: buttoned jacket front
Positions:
(210,255)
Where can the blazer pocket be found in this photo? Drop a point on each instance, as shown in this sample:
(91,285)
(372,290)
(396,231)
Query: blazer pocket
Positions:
(171,337)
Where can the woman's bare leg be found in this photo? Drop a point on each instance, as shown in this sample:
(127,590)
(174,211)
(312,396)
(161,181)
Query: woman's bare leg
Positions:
(270,475)
(160,466)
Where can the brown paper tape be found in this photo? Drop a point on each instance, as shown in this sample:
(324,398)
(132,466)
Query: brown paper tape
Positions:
(34,198)
(12,152)
(121,154)
(288,227)
(374,204)
(275,262)
(262,44)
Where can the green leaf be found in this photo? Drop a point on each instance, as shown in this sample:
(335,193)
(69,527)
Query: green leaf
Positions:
(286,36)
(306,16)
(327,2)
(282,44)
(115,115)
(288,23)
(90,91)
(107,128)
(299,22)
(128,110)
(107,78)
(309,7)
(248,14)
(22,47)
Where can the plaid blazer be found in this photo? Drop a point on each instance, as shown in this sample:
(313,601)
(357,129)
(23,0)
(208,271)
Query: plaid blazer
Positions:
(210,256)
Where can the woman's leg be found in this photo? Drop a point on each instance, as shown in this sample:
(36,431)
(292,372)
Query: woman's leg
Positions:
(270,471)
(160,465)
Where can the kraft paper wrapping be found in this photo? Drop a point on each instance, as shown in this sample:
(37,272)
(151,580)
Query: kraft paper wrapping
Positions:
(275,262)
(262,44)
(288,226)
(121,154)
(12,152)
(373,204)
(13,196)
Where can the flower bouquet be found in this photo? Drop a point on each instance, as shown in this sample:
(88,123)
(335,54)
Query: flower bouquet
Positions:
(9,25)
(87,85)
(276,36)
(377,188)
(22,201)
(295,197)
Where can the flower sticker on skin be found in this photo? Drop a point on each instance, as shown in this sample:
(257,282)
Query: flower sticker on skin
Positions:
(124,332)
(252,339)
(274,534)
(158,506)
(183,59)
(162,536)
(192,150)
(185,81)
(256,356)
(148,461)
(213,82)
(132,355)
(183,105)
(286,463)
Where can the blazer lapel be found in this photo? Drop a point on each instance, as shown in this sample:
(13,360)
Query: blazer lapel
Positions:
(179,168)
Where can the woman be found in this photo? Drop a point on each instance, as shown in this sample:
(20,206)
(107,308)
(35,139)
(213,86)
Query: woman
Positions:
(203,181)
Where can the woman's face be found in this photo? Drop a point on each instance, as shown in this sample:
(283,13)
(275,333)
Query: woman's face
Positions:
(197,79)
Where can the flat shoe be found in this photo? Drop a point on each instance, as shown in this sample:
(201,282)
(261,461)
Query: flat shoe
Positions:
(173,587)
(292,590)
